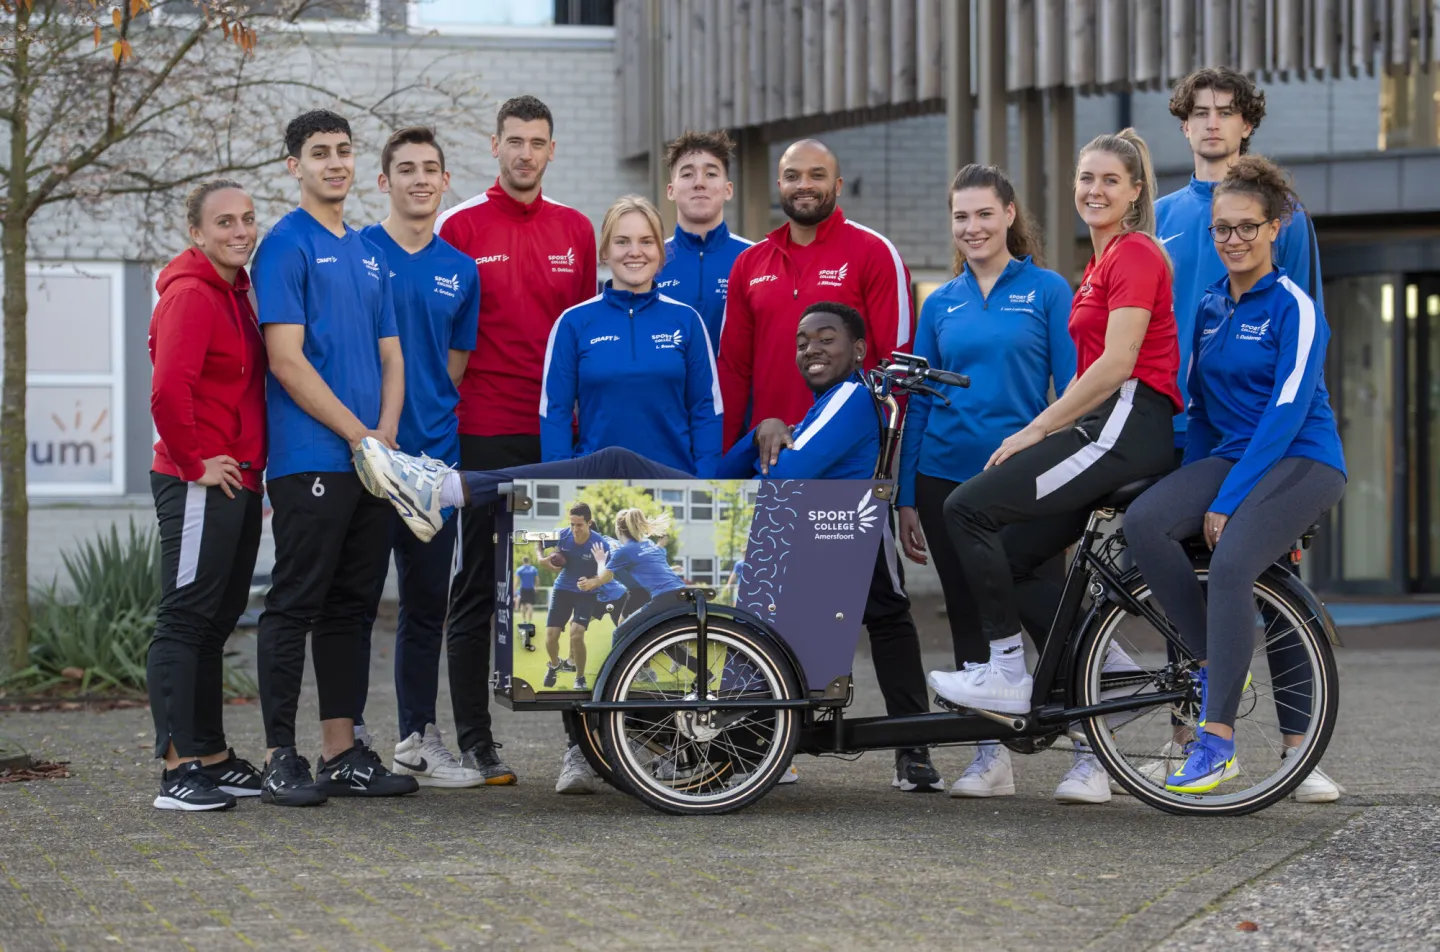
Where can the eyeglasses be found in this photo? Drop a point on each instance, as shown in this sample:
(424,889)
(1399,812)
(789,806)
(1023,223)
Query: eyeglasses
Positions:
(1246,230)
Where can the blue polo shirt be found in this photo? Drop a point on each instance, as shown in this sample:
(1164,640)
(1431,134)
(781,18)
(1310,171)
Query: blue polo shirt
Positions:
(527,574)
(337,288)
(437,308)
(579,558)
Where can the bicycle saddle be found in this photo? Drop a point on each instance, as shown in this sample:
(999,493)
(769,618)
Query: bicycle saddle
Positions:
(1127,494)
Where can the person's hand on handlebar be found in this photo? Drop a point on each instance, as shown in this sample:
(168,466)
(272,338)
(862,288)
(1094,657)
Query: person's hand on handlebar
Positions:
(912,537)
(772,436)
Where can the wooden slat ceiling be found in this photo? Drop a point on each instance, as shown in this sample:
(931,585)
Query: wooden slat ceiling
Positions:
(739,63)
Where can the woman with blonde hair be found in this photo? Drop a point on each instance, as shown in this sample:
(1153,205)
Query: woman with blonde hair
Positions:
(1111,427)
(637,562)
(637,364)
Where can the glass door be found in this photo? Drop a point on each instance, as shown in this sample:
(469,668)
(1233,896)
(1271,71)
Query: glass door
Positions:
(1423,419)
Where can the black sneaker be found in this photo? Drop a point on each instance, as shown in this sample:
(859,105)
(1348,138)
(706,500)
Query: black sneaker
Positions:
(483,757)
(187,788)
(915,772)
(359,773)
(287,781)
(566,665)
(237,777)
(550,670)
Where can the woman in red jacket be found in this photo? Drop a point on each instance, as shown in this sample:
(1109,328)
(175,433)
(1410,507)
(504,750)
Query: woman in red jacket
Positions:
(208,401)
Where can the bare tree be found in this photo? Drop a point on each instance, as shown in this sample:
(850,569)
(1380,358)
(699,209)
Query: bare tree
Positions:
(110,110)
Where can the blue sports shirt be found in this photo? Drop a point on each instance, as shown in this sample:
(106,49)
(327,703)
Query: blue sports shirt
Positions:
(1011,344)
(642,372)
(527,575)
(338,289)
(838,439)
(579,559)
(643,565)
(1257,385)
(437,305)
(1182,222)
(697,271)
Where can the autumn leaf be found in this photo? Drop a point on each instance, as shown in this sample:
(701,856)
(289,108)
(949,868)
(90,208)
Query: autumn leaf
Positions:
(97,37)
(121,50)
(1248,926)
(115,17)
(135,7)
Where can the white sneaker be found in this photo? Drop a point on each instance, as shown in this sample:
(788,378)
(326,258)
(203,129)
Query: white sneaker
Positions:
(412,484)
(427,760)
(983,686)
(791,775)
(1316,788)
(1156,771)
(989,774)
(1086,782)
(576,774)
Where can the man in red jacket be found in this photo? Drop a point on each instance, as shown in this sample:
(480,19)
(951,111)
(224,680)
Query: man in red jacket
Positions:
(818,255)
(536,257)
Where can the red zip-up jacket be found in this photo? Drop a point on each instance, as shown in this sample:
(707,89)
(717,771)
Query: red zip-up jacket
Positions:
(772,283)
(534,261)
(207,394)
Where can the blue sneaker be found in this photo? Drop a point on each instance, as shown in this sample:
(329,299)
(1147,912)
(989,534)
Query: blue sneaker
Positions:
(1203,677)
(412,484)
(1209,762)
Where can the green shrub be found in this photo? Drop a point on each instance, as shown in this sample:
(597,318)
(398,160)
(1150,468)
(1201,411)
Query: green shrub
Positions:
(100,624)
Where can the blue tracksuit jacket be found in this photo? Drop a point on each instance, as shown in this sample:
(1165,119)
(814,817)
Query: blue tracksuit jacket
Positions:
(1257,384)
(1182,223)
(838,439)
(642,372)
(697,272)
(1011,344)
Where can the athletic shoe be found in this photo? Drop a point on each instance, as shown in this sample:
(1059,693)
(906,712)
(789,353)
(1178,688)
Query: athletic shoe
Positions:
(1209,762)
(411,482)
(1204,678)
(1316,788)
(576,774)
(1085,782)
(288,782)
(791,775)
(566,665)
(234,776)
(188,788)
(426,758)
(483,757)
(580,684)
(367,478)
(914,771)
(358,772)
(1156,770)
(1117,661)
(989,774)
(983,686)
(550,671)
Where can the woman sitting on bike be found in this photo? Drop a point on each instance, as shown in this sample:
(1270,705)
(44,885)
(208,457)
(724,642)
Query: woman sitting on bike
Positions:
(1262,462)
(636,363)
(1112,426)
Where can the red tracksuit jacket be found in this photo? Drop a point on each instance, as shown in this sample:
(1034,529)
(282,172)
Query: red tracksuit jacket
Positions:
(772,283)
(534,261)
(207,394)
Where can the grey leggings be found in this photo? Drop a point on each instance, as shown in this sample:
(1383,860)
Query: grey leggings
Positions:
(1285,502)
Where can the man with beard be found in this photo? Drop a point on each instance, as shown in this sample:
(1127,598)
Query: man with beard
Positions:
(818,255)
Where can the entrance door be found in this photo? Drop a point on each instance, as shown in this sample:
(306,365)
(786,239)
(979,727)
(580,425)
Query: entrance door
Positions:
(1422,347)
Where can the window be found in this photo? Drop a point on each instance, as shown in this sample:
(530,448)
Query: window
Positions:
(511,16)
(75,403)
(675,499)
(547,501)
(702,570)
(702,505)
(349,16)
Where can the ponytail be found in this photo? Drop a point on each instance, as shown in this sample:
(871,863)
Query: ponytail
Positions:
(1131,150)
(634,525)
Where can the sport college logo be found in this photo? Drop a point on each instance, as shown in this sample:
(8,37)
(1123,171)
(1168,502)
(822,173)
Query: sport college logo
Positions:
(563,264)
(839,524)
(834,277)
(372,268)
(667,341)
(447,286)
(1023,298)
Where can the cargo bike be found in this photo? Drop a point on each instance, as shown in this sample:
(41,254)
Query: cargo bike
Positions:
(697,703)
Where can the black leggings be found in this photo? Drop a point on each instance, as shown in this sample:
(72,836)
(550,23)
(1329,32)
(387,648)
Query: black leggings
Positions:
(1044,494)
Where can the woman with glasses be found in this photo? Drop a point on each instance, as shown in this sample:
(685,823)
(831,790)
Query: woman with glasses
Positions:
(1262,461)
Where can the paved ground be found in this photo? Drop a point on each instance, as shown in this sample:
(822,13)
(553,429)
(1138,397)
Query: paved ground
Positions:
(839,861)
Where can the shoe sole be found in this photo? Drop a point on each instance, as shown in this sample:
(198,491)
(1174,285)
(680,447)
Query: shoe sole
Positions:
(370,472)
(989,704)
(576,791)
(308,801)
(349,791)
(905,786)
(504,780)
(1231,771)
(242,791)
(172,803)
(1083,798)
(1327,797)
(1006,791)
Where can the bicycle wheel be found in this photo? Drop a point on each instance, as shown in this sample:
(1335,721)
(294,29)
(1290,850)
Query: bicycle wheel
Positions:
(679,761)
(1293,682)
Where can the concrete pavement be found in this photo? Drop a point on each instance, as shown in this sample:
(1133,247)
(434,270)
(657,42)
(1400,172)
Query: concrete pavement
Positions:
(838,861)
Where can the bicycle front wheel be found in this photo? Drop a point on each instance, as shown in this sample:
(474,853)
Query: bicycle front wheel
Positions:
(1290,701)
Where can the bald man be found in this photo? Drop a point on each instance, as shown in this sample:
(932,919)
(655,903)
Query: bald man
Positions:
(819,255)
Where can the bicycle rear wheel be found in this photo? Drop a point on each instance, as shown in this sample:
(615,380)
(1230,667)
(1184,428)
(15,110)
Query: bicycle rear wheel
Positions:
(1293,684)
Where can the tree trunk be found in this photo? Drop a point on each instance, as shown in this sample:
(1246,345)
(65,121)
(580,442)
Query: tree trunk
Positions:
(14,504)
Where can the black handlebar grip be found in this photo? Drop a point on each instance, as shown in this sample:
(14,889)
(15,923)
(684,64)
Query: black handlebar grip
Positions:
(946,377)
